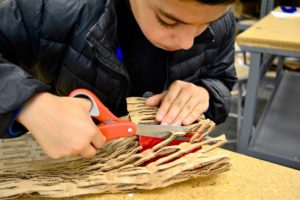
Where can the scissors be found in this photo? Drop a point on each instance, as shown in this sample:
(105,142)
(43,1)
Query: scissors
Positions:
(113,127)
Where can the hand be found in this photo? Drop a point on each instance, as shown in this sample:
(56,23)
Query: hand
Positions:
(62,125)
(182,104)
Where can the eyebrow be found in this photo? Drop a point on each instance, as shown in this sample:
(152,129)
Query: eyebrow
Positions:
(171,16)
(174,18)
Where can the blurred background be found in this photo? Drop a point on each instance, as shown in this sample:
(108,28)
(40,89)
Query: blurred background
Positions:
(247,13)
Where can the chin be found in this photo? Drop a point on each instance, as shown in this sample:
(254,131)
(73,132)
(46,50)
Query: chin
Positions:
(172,49)
(166,48)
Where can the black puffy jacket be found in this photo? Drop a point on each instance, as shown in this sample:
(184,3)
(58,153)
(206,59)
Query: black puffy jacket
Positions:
(61,45)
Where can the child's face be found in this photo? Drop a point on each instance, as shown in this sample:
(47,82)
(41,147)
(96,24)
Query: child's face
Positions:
(173,24)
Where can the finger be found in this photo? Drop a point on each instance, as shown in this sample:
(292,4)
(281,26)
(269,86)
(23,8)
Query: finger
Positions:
(185,111)
(167,101)
(99,140)
(193,115)
(198,105)
(155,99)
(88,152)
(176,108)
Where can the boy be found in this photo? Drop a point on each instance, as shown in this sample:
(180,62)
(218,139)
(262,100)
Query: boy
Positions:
(180,50)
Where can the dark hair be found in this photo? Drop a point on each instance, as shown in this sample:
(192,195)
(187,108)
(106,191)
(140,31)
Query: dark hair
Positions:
(215,2)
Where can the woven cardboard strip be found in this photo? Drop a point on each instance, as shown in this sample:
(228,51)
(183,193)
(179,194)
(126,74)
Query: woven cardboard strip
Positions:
(118,167)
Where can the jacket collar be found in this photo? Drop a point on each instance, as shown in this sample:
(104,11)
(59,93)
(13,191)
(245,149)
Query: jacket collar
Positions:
(206,37)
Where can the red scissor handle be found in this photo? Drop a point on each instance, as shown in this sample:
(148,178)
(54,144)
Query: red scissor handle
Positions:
(110,126)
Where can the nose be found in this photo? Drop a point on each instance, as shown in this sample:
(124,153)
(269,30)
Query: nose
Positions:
(186,43)
(184,40)
(185,36)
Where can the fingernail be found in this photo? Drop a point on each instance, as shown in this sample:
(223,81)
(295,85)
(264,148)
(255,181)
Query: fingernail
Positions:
(103,138)
(159,117)
(164,123)
(187,121)
(176,124)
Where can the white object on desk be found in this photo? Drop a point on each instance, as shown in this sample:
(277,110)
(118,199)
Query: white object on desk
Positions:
(281,14)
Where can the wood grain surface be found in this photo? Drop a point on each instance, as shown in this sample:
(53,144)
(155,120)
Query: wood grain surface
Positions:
(273,32)
(249,178)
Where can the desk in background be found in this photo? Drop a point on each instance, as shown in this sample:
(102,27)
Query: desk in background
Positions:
(276,137)
(249,178)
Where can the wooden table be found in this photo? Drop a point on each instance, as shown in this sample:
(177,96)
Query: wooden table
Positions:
(273,33)
(249,178)
(269,38)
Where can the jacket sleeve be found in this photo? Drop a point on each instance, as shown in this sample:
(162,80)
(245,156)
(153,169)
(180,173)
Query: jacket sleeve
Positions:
(18,51)
(222,76)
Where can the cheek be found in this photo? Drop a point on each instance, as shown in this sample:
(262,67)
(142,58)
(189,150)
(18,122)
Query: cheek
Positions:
(158,35)
(155,33)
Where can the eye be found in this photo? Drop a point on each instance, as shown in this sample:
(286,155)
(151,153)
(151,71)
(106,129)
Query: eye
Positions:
(165,24)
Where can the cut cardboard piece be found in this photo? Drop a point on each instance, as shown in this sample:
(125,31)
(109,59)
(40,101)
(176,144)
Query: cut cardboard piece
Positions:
(118,167)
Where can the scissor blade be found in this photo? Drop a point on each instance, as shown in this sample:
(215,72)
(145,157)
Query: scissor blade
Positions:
(159,131)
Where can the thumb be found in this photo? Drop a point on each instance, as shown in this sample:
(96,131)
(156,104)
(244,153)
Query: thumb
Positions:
(155,99)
